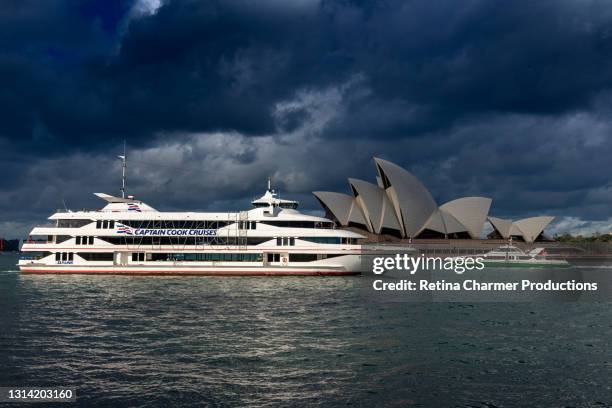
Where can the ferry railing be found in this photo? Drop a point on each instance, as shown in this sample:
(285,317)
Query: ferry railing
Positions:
(46,226)
(66,210)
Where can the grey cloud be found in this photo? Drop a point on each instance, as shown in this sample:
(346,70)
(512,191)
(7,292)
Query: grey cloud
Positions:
(510,100)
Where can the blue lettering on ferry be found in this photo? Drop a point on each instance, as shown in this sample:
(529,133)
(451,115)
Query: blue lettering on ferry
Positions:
(175,232)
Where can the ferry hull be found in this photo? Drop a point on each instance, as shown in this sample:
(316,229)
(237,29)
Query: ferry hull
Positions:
(194,271)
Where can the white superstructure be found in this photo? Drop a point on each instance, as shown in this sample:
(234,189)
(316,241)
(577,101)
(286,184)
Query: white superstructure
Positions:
(128,236)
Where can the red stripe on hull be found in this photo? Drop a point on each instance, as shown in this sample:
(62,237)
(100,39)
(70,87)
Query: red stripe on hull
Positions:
(189,273)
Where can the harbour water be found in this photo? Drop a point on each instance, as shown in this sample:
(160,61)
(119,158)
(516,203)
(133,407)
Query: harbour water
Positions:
(206,341)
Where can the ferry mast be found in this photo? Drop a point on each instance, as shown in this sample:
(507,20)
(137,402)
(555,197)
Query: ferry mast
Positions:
(123,170)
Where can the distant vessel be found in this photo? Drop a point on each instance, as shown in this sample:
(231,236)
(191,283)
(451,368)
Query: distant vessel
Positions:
(128,236)
(512,256)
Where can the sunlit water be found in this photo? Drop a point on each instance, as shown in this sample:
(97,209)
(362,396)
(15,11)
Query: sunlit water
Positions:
(198,341)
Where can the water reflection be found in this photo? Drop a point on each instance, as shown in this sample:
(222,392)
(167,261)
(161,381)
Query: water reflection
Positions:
(257,341)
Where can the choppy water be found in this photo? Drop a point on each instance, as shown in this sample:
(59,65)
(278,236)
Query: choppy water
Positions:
(205,341)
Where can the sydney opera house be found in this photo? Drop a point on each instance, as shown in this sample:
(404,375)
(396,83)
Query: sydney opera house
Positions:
(400,206)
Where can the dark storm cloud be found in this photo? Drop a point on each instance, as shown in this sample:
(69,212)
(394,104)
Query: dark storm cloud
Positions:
(506,99)
(202,66)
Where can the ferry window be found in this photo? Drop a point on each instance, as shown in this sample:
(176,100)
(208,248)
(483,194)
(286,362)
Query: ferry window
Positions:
(70,256)
(97,256)
(279,241)
(105,224)
(253,225)
(72,223)
(191,257)
(91,240)
(291,241)
(273,257)
(111,224)
(322,240)
(58,256)
(138,256)
(300,224)
(302,257)
(78,240)
(246,225)
(98,224)
(288,205)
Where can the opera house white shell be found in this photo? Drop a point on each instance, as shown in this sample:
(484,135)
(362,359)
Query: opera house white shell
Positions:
(401,205)
(528,229)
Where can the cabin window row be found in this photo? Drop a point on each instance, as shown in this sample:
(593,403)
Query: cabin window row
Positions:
(96,256)
(285,241)
(300,224)
(292,206)
(138,257)
(183,241)
(104,224)
(72,223)
(88,256)
(34,256)
(195,257)
(330,240)
(64,256)
(272,257)
(84,240)
(310,257)
(247,225)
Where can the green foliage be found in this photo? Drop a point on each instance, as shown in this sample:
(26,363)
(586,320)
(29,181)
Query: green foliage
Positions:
(579,238)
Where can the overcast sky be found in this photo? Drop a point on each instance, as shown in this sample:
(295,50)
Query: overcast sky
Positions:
(506,99)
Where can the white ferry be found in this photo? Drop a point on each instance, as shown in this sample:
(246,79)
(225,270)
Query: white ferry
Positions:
(128,236)
(510,256)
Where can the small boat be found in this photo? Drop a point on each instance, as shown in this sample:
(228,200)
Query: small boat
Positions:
(512,256)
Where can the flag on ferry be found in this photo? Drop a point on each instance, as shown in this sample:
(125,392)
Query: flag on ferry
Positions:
(134,207)
(124,229)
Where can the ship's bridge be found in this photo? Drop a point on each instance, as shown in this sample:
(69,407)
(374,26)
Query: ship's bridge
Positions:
(270,199)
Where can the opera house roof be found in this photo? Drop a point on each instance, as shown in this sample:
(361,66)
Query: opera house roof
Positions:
(399,204)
